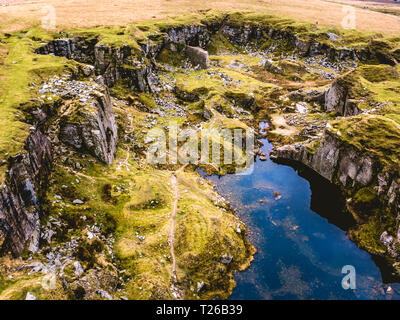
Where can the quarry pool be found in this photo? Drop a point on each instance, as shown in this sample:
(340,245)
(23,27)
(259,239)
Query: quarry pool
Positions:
(300,238)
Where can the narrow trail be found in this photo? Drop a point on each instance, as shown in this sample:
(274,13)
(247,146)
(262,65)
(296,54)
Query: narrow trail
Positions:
(82,175)
(178,294)
(125,162)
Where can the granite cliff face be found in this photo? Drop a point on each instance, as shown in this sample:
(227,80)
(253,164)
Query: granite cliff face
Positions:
(112,64)
(125,63)
(332,159)
(89,124)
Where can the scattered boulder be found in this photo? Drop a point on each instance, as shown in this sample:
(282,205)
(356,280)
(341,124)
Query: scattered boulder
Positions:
(77,202)
(30,296)
(386,239)
(340,97)
(333,36)
(311,95)
(200,286)
(104,294)
(36,267)
(198,57)
(225,259)
(78,268)
(271,67)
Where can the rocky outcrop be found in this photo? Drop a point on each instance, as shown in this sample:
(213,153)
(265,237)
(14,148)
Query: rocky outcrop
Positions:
(332,160)
(242,35)
(79,48)
(354,172)
(136,68)
(195,35)
(345,166)
(338,98)
(113,64)
(19,196)
(308,96)
(198,57)
(92,128)
(87,123)
(271,67)
(123,64)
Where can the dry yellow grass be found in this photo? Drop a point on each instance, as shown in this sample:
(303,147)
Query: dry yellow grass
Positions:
(111,12)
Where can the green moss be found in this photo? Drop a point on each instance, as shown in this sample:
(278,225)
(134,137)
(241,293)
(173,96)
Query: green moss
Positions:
(114,36)
(147,100)
(368,236)
(365,195)
(219,44)
(313,146)
(172,54)
(375,135)
(135,203)
(18,288)
(379,73)
(121,90)
(133,200)
(5,283)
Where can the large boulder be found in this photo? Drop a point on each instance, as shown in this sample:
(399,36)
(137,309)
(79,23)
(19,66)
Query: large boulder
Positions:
(272,67)
(198,57)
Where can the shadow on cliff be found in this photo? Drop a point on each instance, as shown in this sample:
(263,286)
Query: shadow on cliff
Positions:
(326,198)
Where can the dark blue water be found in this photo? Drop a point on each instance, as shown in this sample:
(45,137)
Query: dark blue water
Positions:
(300,254)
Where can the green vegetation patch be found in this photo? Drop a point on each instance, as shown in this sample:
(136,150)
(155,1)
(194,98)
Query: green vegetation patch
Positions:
(375,135)
(368,236)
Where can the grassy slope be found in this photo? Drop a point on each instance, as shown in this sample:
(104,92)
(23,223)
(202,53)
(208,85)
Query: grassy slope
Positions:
(102,12)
